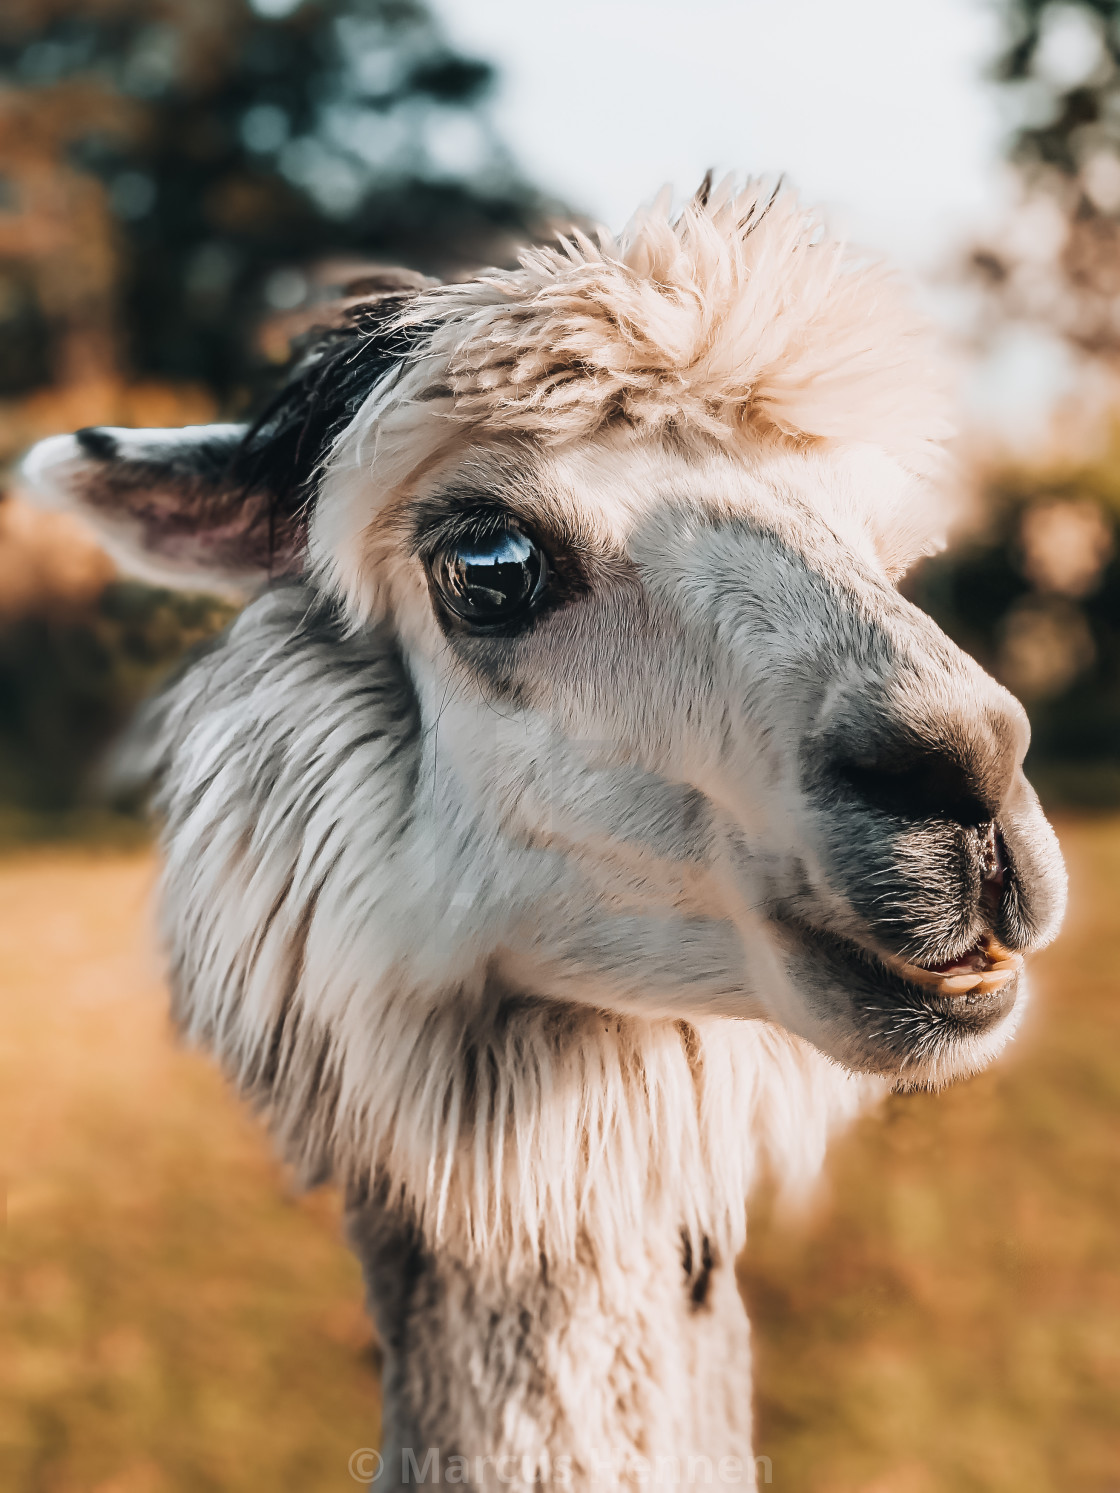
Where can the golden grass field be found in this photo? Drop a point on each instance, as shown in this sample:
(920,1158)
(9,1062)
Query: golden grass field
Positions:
(948,1319)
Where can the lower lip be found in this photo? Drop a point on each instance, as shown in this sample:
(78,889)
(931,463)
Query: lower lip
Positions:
(971,1011)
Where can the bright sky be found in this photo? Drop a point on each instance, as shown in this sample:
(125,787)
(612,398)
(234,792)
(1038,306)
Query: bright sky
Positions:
(875,108)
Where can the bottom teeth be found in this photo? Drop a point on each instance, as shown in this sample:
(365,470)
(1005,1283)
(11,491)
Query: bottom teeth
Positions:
(999,967)
(958,984)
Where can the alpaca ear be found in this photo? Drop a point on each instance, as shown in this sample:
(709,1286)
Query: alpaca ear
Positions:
(171,506)
(223,507)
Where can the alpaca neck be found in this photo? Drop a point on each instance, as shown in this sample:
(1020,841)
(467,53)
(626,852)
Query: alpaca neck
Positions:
(615,1354)
(628,1370)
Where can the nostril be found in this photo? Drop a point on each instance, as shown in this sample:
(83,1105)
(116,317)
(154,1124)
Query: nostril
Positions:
(993,858)
(993,873)
(922,784)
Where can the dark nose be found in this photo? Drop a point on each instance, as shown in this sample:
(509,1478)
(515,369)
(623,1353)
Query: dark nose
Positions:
(937,741)
(919,781)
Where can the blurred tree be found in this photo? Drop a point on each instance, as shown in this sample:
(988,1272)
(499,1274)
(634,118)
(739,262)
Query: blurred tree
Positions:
(176,170)
(1034,592)
(181,183)
(1058,260)
(69,675)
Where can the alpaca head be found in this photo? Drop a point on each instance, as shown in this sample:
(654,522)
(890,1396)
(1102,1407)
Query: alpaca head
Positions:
(633,515)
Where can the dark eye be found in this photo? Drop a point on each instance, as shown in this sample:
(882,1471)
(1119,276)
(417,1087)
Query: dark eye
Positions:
(488,579)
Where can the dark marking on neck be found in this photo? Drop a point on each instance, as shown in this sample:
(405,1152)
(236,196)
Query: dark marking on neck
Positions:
(698,1281)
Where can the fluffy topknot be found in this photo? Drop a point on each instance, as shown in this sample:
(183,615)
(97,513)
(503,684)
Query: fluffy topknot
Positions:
(738,320)
(739,314)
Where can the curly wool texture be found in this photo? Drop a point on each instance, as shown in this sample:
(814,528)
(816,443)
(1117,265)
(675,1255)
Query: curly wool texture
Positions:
(739,315)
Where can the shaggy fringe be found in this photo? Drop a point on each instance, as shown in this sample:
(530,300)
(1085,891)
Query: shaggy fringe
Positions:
(737,320)
(740,313)
(570,1126)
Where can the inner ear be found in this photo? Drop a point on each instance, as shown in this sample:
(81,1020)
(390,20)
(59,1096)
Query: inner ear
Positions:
(173,506)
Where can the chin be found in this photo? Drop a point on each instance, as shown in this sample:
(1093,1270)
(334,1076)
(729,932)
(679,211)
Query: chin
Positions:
(917,1026)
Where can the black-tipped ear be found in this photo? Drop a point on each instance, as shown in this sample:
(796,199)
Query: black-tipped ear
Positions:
(169,505)
(223,507)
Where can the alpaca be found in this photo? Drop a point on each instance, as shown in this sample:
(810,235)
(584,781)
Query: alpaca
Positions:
(578,820)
